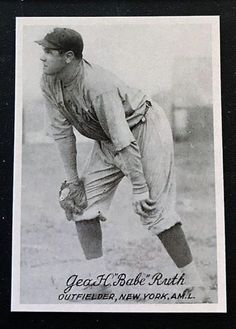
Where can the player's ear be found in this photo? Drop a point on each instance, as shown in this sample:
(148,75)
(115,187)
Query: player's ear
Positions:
(69,56)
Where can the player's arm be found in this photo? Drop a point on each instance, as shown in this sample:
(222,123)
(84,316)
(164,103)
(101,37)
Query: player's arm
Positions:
(111,116)
(131,158)
(62,133)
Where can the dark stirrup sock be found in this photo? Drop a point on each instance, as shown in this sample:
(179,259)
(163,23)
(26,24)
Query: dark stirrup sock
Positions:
(176,245)
(90,237)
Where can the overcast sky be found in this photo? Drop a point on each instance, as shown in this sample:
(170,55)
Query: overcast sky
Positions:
(140,54)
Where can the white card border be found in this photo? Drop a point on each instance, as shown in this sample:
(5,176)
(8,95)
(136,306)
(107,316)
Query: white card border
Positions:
(219,192)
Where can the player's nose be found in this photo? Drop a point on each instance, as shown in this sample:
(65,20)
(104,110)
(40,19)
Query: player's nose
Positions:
(43,58)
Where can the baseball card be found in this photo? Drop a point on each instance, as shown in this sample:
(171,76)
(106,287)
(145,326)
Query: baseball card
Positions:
(118,174)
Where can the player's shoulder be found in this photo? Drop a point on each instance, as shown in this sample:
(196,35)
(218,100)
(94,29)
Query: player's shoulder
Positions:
(98,80)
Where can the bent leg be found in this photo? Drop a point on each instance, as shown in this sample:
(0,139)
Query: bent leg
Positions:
(156,147)
(101,180)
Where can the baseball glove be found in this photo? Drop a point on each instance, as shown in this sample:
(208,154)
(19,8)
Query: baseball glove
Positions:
(72,198)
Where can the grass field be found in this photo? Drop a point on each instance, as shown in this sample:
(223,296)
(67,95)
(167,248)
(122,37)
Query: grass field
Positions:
(50,251)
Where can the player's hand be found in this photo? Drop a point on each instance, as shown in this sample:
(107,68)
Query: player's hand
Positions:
(145,207)
(73,199)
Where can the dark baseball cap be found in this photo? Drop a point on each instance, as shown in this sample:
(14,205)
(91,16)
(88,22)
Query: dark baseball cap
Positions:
(63,39)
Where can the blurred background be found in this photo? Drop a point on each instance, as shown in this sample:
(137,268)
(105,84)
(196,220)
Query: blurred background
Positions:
(171,63)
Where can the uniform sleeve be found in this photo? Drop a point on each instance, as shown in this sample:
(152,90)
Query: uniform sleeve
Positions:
(62,133)
(59,125)
(111,116)
(132,167)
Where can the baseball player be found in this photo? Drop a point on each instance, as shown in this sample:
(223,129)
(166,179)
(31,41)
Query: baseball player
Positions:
(132,138)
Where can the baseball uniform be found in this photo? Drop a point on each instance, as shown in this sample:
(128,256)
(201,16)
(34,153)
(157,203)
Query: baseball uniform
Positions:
(132,138)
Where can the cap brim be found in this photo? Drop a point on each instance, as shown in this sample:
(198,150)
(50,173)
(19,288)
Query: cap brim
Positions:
(47,44)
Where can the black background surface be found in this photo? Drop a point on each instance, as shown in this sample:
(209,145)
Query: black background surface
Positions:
(11,9)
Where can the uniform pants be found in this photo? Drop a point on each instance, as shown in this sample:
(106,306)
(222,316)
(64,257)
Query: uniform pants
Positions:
(103,172)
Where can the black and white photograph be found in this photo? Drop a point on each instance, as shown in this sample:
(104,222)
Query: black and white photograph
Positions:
(118,172)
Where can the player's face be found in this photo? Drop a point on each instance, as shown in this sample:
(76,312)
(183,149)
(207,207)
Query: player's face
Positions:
(53,61)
